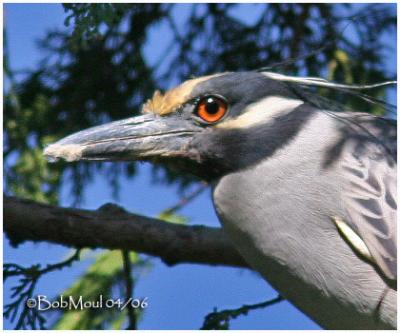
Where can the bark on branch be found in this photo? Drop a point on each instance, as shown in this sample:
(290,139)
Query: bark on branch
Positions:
(112,227)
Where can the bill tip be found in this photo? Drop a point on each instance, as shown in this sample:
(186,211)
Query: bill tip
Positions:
(69,152)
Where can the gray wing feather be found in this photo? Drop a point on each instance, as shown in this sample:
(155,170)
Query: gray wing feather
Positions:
(370,201)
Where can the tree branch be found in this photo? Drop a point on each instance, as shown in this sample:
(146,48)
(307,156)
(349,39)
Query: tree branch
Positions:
(112,227)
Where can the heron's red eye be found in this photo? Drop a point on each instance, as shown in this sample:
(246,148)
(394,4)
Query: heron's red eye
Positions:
(211,108)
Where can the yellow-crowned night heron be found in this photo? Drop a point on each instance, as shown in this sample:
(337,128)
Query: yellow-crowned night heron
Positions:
(307,195)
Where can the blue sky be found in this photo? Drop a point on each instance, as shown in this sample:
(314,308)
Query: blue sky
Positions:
(179,297)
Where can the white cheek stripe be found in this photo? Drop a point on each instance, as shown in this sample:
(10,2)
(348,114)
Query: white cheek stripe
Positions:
(262,111)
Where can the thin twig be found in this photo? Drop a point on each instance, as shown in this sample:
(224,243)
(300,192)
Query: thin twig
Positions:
(186,199)
(129,290)
(66,263)
(220,320)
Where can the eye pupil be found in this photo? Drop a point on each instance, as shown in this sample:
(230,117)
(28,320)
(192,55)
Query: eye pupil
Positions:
(212,106)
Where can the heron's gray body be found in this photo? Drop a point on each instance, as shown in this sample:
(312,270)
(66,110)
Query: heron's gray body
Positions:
(307,196)
(280,212)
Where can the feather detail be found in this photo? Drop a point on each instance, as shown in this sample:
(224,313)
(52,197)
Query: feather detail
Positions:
(173,99)
(351,236)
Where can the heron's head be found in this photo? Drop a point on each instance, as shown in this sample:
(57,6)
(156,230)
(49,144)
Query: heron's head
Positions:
(209,125)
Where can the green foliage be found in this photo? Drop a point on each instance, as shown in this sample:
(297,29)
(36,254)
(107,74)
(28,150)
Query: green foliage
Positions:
(172,218)
(96,71)
(99,279)
(89,17)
